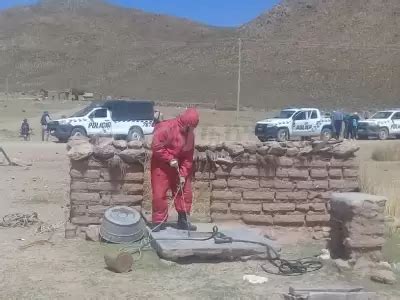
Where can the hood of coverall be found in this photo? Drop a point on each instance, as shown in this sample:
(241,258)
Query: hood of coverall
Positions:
(189,118)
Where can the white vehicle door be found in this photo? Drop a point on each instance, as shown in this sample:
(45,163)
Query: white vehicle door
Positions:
(300,124)
(99,122)
(395,126)
(314,128)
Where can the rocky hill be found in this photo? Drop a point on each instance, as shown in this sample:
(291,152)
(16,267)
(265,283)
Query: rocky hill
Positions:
(309,52)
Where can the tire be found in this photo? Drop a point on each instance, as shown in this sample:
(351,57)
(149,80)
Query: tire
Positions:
(362,137)
(326,134)
(135,134)
(78,132)
(383,134)
(282,135)
(262,139)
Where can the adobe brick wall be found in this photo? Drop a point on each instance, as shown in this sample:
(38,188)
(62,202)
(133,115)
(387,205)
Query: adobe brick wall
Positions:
(284,184)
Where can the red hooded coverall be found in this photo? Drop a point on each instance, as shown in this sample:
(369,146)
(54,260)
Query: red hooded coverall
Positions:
(172,140)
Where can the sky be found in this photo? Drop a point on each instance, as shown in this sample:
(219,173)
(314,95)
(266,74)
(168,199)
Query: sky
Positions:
(212,12)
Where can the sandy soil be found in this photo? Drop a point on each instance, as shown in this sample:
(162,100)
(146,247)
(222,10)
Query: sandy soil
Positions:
(74,269)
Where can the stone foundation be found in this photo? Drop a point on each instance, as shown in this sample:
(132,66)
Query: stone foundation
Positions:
(357,226)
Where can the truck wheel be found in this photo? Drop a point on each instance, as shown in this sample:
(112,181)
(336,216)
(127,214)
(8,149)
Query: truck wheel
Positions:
(282,135)
(326,134)
(262,139)
(135,134)
(383,134)
(78,132)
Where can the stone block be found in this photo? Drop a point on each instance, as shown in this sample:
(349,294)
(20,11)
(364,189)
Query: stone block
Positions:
(317,219)
(350,173)
(288,220)
(236,171)
(267,171)
(226,196)
(303,207)
(222,173)
(299,174)
(93,163)
(243,183)
(135,177)
(84,198)
(312,195)
(299,196)
(132,188)
(319,163)
(245,207)
(219,207)
(344,185)
(219,184)
(104,186)
(85,220)
(127,200)
(335,173)
(319,173)
(344,163)
(283,185)
(282,172)
(320,207)
(97,210)
(250,171)
(284,161)
(78,210)
(264,196)
(218,217)
(204,176)
(79,186)
(257,219)
(278,207)
(365,243)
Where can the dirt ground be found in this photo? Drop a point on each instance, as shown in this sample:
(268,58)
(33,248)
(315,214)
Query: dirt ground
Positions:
(74,269)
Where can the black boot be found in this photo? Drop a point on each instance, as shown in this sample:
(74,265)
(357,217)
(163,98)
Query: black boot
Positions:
(183,223)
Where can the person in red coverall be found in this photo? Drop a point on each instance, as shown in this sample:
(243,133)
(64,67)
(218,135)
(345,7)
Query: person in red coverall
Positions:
(171,167)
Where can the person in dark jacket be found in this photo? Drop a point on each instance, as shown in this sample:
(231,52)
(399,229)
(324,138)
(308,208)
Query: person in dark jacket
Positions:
(44,121)
(337,121)
(354,119)
(25,129)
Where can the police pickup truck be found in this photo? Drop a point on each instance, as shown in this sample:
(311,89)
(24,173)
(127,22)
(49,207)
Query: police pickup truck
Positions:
(382,125)
(295,122)
(119,118)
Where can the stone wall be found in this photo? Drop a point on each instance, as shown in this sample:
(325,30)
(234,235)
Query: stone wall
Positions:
(284,184)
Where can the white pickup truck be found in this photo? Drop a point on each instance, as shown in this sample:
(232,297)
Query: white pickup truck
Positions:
(295,123)
(383,124)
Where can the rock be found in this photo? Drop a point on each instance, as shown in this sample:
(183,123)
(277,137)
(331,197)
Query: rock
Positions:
(234,149)
(325,254)
(263,150)
(135,145)
(384,265)
(319,235)
(70,231)
(383,276)
(344,150)
(104,141)
(342,265)
(93,233)
(104,152)
(120,144)
(277,149)
(363,266)
(306,151)
(292,152)
(80,151)
(132,155)
(76,140)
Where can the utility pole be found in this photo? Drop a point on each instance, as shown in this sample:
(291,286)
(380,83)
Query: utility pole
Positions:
(239,80)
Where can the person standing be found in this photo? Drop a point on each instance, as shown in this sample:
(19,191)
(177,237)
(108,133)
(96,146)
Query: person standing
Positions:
(172,168)
(347,125)
(25,129)
(354,119)
(337,121)
(44,121)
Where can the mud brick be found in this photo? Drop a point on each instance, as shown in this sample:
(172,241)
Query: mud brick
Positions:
(243,184)
(313,185)
(126,199)
(84,198)
(250,171)
(221,207)
(299,173)
(305,185)
(335,173)
(132,188)
(265,183)
(93,163)
(319,195)
(104,186)
(265,196)
(217,217)
(92,174)
(97,210)
(245,207)
(204,176)
(302,162)
(236,171)
(289,220)
(279,207)
(85,220)
(319,173)
(295,213)
(221,173)
(282,172)
(350,173)
(303,207)
(268,172)
(108,175)
(201,185)
(284,185)
(366,228)
(77,186)
(226,196)
(105,199)
(257,219)
(78,210)
(219,184)
(345,163)
(136,177)
(74,173)
(320,184)
(317,219)
(344,185)
(319,164)
(318,207)
(284,161)
(301,195)
(365,243)
(135,168)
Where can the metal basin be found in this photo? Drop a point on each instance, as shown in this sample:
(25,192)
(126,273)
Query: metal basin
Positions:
(122,224)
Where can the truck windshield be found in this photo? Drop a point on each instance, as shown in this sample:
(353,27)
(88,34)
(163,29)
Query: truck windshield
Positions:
(285,114)
(83,112)
(382,115)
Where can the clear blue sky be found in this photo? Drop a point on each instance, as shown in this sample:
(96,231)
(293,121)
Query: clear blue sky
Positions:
(212,12)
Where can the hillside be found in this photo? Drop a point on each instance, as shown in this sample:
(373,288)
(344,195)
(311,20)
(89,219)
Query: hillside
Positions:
(311,52)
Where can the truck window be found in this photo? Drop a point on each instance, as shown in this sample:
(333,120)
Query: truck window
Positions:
(396,116)
(314,114)
(100,113)
(301,116)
